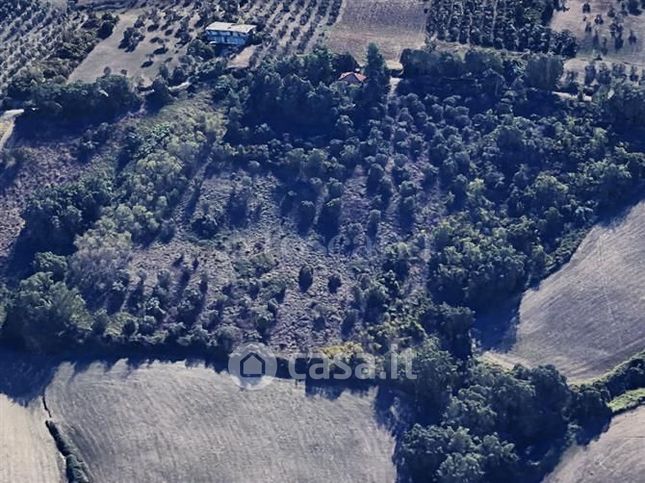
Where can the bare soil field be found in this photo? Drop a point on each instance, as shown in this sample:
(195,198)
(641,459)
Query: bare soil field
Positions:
(393,25)
(587,317)
(617,455)
(175,422)
(27,451)
(573,19)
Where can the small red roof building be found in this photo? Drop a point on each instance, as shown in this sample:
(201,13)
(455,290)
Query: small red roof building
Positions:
(355,78)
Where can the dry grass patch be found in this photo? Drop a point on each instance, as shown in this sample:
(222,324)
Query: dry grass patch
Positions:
(27,451)
(393,25)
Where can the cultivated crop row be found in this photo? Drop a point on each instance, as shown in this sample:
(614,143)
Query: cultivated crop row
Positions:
(28,29)
(290,26)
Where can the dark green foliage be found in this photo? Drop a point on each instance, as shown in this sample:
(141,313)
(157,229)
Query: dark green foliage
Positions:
(378,79)
(109,97)
(471,267)
(436,374)
(454,455)
(208,222)
(306,214)
(56,215)
(305,277)
(329,219)
(508,24)
(49,262)
(625,105)
(544,71)
(75,469)
(626,377)
(334,283)
(160,94)
(46,315)
(301,100)
(494,424)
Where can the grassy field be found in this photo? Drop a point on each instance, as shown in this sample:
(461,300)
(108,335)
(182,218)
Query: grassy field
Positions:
(391,24)
(627,401)
(175,422)
(587,317)
(617,455)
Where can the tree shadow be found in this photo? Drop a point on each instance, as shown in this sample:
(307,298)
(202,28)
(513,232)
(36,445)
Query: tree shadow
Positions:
(497,329)
(23,376)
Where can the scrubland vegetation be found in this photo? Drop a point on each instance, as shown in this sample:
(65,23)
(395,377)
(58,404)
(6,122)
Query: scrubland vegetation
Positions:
(402,215)
(512,175)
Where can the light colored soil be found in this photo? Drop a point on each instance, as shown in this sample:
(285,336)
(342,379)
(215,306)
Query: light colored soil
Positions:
(243,59)
(170,422)
(588,317)
(572,20)
(108,54)
(7,123)
(393,25)
(617,455)
(27,451)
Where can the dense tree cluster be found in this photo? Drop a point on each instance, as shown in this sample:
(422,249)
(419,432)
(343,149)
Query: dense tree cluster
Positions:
(486,424)
(56,216)
(82,103)
(507,24)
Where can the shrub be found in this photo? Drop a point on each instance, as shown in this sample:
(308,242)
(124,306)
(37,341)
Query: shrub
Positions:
(305,277)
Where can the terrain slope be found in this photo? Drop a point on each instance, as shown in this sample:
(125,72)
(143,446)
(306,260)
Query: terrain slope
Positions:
(587,317)
(617,455)
(170,422)
(27,450)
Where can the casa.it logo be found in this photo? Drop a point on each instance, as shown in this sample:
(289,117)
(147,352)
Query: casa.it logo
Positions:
(252,366)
